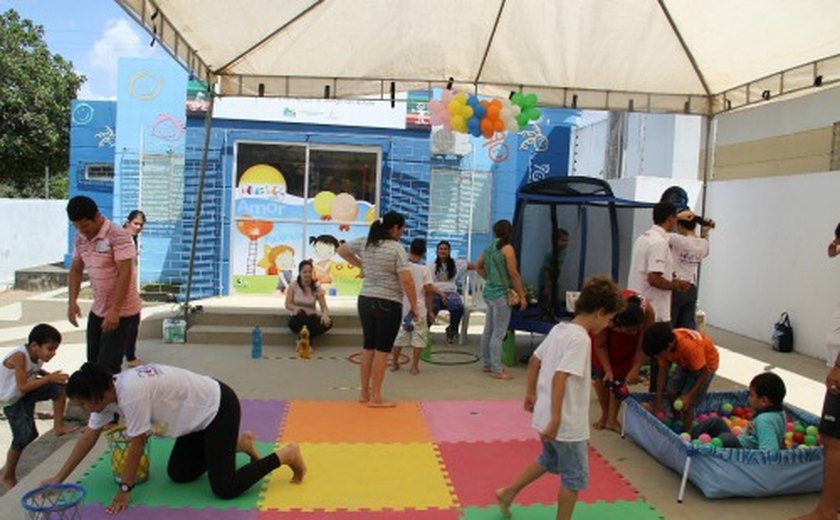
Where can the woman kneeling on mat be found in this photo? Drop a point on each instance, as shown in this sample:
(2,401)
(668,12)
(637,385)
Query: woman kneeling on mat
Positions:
(200,413)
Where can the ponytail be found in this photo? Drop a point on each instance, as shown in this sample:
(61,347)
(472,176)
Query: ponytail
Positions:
(381,228)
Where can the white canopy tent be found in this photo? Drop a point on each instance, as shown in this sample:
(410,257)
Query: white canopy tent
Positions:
(680,56)
(685,56)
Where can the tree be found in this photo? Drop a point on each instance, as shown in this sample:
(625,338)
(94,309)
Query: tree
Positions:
(36,88)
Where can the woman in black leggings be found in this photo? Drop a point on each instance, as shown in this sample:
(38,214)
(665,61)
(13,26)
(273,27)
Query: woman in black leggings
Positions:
(200,413)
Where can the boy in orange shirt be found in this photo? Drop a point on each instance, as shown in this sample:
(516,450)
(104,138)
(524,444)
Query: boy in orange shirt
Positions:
(696,359)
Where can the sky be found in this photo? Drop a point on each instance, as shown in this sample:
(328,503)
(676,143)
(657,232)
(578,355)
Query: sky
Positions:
(92,34)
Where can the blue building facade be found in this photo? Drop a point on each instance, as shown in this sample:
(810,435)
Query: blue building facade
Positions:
(277,192)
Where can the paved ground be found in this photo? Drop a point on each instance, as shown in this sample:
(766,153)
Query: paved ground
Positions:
(333,377)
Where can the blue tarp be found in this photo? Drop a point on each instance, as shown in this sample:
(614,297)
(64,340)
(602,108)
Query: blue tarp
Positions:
(727,472)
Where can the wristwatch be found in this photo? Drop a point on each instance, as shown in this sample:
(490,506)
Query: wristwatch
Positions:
(126,488)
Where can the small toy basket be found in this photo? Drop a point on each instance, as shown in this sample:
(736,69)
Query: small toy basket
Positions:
(54,502)
(118,442)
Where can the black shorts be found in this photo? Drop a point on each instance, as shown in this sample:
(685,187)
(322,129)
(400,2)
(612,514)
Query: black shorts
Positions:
(829,423)
(381,320)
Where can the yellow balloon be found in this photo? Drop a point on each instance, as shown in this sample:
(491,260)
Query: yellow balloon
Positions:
(454,107)
(461,98)
(370,215)
(457,121)
(323,202)
(467,111)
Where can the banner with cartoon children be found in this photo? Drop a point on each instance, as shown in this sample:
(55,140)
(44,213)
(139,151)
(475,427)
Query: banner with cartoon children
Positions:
(278,222)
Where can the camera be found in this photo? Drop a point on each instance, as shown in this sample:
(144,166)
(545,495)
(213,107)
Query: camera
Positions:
(701,221)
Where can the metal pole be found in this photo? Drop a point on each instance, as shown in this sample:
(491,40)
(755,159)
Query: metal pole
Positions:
(47,181)
(208,125)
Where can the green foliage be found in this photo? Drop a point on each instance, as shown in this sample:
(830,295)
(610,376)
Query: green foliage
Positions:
(37,88)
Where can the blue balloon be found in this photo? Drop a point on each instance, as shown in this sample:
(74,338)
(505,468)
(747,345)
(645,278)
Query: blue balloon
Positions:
(473,101)
(480,111)
(473,124)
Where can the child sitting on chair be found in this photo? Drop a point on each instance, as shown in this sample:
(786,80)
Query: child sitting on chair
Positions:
(696,359)
(766,431)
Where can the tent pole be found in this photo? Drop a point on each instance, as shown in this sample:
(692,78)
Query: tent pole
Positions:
(202,171)
(711,144)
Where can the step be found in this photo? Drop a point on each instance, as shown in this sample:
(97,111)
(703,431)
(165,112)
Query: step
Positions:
(263,317)
(272,336)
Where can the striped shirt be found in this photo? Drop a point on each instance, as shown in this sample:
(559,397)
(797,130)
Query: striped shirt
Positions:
(100,256)
(381,265)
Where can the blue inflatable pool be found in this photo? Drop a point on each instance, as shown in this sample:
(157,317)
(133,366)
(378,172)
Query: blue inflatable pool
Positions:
(726,472)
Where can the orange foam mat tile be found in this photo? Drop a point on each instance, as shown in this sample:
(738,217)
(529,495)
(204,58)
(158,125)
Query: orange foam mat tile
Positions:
(345,421)
(355,477)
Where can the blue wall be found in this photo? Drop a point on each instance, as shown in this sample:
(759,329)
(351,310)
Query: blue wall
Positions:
(92,141)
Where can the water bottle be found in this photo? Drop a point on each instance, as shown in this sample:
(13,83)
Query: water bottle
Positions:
(408,322)
(256,343)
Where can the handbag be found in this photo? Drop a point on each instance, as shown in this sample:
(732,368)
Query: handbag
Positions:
(513,299)
(783,334)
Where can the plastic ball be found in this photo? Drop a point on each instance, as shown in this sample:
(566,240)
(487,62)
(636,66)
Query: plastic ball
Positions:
(789,436)
(737,431)
(798,427)
(697,442)
(811,430)
(811,440)
(798,437)
(717,442)
(789,427)
(646,405)
(726,408)
(678,404)
(803,447)
(705,438)
(702,417)
(685,436)
(661,415)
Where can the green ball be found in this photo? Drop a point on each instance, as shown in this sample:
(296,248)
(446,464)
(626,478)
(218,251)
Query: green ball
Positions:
(798,427)
(812,430)
(811,440)
(717,442)
(678,405)
(726,408)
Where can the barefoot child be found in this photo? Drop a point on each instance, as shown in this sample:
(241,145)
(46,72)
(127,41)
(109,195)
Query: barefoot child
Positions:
(696,359)
(618,356)
(558,395)
(199,412)
(411,333)
(23,383)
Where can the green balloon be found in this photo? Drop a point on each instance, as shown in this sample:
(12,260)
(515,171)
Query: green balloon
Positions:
(522,120)
(530,100)
(533,113)
(517,99)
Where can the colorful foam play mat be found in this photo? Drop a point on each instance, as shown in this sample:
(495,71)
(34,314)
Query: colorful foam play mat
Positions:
(424,460)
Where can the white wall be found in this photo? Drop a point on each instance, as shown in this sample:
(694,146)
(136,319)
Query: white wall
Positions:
(33,232)
(768,255)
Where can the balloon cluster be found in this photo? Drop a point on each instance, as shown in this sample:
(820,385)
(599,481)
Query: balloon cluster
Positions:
(465,113)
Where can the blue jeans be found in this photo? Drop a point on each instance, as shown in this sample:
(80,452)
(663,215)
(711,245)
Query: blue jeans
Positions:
(455,307)
(496,323)
(21,414)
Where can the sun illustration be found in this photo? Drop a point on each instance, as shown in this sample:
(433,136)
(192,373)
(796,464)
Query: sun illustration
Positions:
(262,174)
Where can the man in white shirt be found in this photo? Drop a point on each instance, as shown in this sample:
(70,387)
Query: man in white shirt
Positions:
(688,251)
(652,267)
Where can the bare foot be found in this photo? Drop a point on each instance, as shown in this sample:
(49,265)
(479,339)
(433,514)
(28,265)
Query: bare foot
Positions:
(63,429)
(415,371)
(395,365)
(364,395)
(9,483)
(614,426)
(381,403)
(599,424)
(503,501)
(135,363)
(290,455)
(487,370)
(815,515)
(501,375)
(245,444)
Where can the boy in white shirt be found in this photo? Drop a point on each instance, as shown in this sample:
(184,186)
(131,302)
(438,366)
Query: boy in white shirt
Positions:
(412,333)
(557,394)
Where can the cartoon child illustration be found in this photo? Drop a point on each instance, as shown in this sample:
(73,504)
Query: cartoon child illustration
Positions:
(279,260)
(324,247)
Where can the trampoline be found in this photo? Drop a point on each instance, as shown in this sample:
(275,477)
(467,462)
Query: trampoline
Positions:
(601,229)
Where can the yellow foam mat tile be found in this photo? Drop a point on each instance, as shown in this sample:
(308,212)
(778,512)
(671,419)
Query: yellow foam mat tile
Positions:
(356,477)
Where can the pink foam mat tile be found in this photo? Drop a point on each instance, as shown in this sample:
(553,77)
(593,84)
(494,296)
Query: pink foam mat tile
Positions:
(97,512)
(263,417)
(476,470)
(413,514)
(477,421)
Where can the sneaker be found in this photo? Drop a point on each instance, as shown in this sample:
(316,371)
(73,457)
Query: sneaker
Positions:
(450,336)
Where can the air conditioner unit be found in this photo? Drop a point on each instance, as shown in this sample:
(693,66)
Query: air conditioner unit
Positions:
(445,142)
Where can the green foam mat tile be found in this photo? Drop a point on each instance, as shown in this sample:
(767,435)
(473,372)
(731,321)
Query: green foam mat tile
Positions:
(160,491)
(636,510)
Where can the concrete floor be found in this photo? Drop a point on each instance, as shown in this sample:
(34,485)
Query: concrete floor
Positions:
(332,377)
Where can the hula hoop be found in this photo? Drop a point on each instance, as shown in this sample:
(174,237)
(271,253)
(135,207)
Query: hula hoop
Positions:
(354,358)
(471,358)
(30,503)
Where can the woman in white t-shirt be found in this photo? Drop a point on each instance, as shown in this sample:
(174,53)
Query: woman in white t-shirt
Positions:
(446,271)
(199,412)
(301,299)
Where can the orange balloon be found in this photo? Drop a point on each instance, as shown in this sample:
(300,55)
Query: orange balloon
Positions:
(487,134)
(493,111)
(486,125)
(498,125)
(485,103)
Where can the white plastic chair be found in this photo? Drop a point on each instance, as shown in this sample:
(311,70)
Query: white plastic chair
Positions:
(473,301)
